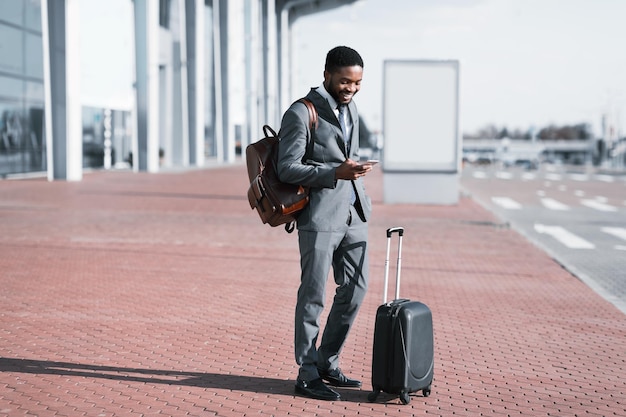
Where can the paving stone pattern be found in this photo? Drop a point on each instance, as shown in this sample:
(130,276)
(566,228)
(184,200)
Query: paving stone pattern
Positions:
(132,294)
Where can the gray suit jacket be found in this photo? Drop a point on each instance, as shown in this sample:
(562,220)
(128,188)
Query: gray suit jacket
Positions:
(329,204)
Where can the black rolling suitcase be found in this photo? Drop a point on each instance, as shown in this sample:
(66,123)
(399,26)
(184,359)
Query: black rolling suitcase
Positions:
(403,357)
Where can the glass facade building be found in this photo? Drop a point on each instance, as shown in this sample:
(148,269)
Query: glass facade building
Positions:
(202,76)
(22,142)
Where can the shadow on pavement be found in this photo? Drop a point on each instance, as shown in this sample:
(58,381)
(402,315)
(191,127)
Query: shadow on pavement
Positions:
(155,376)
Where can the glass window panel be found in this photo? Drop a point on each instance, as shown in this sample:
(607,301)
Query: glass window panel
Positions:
(11,139)
(11,11)
(164,13)
(35,149)
(22,144)
(33,15)
(34,56)
(34,91)
(11,87)
(11,50)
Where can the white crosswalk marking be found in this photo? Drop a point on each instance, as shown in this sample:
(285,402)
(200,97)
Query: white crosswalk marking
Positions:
(567,238)
(598,205)
(479,174)
(579,177)
(554,205)
(618,232)
(553,177)
(504,175)
(507,203)
(605,178)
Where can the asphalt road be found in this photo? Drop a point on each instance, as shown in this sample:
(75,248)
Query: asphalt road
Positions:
(576,214)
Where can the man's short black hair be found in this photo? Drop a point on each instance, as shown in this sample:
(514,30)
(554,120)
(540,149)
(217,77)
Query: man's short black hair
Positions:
(342,56)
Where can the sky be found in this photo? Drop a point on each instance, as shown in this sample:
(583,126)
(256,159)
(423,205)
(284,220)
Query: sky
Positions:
(107,53)
(523,63)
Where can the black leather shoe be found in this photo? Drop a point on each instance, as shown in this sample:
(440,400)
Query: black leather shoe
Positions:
(316,389)
(336,378)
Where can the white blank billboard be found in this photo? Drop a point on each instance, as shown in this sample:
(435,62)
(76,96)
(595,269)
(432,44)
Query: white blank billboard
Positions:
(421,120)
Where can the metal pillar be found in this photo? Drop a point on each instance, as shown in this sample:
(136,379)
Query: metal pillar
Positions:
(60,27)
(271,48)
(194,33)
(146,156)
(220,77)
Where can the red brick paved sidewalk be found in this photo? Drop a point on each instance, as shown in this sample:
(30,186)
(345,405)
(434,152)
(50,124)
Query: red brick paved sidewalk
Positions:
(162,294)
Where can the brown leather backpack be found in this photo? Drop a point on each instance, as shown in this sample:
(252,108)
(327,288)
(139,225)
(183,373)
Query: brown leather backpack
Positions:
(276,202)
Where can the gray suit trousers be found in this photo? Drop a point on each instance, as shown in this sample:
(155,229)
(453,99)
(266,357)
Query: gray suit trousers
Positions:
(346,251)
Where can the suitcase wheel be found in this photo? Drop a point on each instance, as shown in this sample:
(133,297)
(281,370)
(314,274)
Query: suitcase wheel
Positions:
(404,397)
(371,397)
(426,391)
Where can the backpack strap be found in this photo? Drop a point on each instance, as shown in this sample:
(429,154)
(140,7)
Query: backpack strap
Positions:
(312,112)
(313,122)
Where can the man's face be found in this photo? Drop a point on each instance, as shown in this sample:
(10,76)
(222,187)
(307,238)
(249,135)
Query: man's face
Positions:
(344,83)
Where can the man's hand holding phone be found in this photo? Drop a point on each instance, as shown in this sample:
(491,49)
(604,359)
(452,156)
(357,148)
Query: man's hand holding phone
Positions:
(351,170)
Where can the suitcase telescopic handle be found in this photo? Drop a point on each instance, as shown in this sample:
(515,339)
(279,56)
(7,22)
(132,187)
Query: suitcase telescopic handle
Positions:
(390,232)
(393,230)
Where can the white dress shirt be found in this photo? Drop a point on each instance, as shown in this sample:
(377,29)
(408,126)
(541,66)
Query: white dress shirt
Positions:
(333,105)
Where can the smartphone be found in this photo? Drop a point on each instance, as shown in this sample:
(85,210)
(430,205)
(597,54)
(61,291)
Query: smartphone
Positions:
(369,162)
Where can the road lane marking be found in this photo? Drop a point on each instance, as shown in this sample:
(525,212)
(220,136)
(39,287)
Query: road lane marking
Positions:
(565,237)
(527,176)
(553,177)
(553,204)
(579,177)
(479,174)
(504,175)
(605,178)
(598,205)
(618,232)
(507,203)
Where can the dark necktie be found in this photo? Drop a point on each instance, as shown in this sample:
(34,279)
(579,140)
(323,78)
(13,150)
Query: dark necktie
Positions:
(344,130)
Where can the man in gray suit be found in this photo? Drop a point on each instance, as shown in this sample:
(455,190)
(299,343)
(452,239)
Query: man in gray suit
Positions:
(332,229)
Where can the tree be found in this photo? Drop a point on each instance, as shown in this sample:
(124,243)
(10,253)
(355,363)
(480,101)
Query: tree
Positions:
(580,131)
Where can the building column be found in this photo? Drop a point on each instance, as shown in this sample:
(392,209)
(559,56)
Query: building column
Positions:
(194,33)
(252,53)
(220,78)
(226,15)
(284,58)
(61,48)
(271,81)
(146,154)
